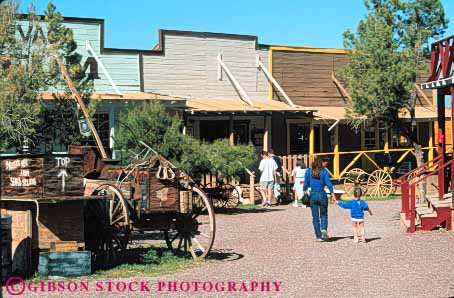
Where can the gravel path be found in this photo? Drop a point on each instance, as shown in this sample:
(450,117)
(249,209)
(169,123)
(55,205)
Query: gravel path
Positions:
(278,246)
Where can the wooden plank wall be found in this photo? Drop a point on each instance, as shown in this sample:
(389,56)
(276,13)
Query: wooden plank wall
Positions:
(123,67)
(306,77)
(189,67)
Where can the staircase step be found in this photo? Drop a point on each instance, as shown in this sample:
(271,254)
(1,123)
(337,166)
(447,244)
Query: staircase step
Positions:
(436,203)
(429,215)
(424,210)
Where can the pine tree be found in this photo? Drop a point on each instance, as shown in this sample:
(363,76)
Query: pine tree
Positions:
(22,75)
(152,124)
(388,52)
(29,69)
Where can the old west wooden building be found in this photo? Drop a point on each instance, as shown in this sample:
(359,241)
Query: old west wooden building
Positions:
(231,86)
(287,98)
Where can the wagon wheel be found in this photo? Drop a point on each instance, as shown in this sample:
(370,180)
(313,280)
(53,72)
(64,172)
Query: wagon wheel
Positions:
(194,232)
(107,222)
(214,193)
(230,196)
(356,177)
(380,184)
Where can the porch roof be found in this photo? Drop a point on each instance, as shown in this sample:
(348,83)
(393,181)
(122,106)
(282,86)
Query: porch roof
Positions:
(339,113)
(239,106)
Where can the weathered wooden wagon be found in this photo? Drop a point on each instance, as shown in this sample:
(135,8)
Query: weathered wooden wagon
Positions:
(80,201)
(147,195)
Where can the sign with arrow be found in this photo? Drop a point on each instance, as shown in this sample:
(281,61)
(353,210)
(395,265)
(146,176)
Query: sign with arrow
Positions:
(63,174)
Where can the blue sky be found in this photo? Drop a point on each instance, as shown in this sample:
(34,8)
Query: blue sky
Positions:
(134,23)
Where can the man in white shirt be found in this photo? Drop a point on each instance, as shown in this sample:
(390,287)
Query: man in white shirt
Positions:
(268,169)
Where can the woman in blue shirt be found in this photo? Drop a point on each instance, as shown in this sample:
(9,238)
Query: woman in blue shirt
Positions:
(317,178)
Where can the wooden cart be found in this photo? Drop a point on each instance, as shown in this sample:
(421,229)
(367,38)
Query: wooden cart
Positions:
(382,182)
(149,194)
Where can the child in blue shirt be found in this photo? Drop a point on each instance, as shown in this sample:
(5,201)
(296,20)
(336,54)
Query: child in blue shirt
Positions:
(357,207)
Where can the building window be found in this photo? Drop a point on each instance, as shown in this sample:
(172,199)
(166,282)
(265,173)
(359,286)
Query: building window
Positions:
(299,138)
(241,132)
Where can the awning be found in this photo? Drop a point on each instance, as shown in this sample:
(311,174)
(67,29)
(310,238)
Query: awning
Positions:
(239,106)
(443,83)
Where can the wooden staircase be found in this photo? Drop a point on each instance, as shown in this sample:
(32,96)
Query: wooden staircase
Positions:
(435,210)
(431,214)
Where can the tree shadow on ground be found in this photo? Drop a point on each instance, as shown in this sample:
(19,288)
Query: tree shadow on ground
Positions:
(224,255)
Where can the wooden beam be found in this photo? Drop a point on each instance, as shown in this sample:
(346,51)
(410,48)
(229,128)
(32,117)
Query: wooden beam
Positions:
(79,100)
(312,140)
(340,86)
(336,160)
(231,132)
(265,133)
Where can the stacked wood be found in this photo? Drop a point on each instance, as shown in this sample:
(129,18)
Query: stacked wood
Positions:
(21,175)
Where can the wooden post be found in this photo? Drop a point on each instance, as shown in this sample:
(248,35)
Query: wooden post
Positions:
(251,189)
(386,146)
(336,161)
(112,130)
(311,140)
(430,145)
(231,132)
(265,134)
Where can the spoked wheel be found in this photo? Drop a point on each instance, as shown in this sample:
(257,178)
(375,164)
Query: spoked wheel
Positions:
(380,184)
(230,196)
(107,225)
(194,232)
(355,178)
(212,190)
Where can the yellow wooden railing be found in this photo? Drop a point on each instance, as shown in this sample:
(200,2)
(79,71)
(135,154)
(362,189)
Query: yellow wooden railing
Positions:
(289,161)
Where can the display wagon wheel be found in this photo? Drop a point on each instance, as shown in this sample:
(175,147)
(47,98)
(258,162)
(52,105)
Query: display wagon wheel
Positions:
(107,222)
(194,231)
(356,177)
(231,196)
(380,184)
(212,190)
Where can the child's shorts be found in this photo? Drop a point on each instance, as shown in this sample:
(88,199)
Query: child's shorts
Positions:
(358,219)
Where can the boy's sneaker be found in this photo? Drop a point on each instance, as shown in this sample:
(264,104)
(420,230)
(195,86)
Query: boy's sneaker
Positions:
(303,206)
(319,240)
(355,240)
(295,204)
(324,235)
